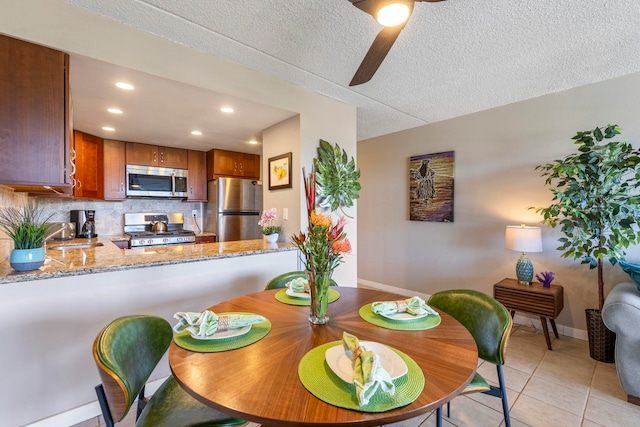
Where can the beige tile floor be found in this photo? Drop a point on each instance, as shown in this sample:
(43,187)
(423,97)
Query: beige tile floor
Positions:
(563,388)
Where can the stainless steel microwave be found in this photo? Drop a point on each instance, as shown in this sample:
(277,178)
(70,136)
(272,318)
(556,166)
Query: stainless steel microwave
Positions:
(151,181)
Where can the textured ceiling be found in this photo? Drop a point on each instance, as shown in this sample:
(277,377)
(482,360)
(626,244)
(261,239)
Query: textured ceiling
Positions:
(453,58)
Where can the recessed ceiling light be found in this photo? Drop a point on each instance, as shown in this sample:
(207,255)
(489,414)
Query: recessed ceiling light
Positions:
(114,110)
(226,110)
(125,86)
(108,128)
(196,132)
(253,142)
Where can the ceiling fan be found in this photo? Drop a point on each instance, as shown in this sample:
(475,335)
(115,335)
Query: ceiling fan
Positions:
(393,14)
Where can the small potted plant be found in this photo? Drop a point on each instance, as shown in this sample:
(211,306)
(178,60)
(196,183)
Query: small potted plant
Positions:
(27,227)
(269,229)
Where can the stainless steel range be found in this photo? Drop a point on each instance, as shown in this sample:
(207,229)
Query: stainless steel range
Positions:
(156,229)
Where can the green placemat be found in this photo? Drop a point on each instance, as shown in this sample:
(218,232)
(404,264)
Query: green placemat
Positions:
(282,296)
(257,332)
(427,322)
(319,379)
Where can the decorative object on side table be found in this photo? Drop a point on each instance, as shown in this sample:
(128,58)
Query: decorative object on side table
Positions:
(597,206)
(523,239)
(325,242)
(546,277)
(27,227)
(269,229)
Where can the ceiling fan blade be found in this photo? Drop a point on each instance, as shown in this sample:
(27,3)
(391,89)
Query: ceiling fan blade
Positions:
(376,54)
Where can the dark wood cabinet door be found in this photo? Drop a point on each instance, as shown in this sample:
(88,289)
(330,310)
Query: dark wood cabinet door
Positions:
(197,176)
(169,157)
(249,165)
(114,170)
(141,154)
(34,114)
(89,164)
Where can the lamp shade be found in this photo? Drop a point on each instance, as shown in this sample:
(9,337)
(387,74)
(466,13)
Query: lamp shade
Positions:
(523,239)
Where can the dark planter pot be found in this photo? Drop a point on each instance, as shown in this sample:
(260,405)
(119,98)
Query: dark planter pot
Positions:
(602,342)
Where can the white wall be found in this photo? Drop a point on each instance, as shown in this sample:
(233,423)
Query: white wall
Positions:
(496,152)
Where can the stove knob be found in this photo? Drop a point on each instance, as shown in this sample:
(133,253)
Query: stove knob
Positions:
(165,240)
(150,241)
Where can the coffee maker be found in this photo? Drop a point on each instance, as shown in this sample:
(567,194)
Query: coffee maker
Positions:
(85,223)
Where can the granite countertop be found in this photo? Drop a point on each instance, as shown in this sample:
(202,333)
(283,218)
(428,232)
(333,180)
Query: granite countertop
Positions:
(78,261)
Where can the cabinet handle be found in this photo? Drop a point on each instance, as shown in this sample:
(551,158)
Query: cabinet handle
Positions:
(240,167)
(191,190)
(155,157)
(122,187)
(161,157)
(79,184)
(72,160)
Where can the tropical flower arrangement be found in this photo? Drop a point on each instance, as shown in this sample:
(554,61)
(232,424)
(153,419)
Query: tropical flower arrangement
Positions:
(325,242)
(323,245)
(267,222)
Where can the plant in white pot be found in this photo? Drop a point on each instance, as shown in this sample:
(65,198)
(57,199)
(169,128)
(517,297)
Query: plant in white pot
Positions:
(270,230)
(595,202)
(27,227)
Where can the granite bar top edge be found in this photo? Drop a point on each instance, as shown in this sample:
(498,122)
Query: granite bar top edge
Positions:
(109,258)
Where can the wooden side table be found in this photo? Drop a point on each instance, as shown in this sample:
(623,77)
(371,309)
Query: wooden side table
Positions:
(534,299)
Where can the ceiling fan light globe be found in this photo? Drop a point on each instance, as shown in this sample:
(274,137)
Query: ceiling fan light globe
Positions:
(394,13)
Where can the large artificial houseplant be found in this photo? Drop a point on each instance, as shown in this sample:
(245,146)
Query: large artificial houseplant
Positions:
(27,226)
(333,183)
(595,202)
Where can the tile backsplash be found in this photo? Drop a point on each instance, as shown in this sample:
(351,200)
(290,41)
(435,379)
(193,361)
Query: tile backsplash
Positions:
(109,215)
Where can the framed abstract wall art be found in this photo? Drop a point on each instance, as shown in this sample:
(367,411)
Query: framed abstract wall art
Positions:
(431,187)
(280,172)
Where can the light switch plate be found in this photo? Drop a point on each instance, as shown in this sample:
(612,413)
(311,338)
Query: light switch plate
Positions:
(285,214)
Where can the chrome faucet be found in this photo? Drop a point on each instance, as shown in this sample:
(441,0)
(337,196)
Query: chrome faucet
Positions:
(62,227)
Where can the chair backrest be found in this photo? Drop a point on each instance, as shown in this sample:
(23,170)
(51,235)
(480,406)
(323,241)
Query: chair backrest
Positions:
(126,351)
(485,318)
(281,280)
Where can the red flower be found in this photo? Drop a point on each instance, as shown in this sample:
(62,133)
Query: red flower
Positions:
(341,246)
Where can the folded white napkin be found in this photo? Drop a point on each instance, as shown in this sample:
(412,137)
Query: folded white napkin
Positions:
(205,324)
(298,285)
(368,374)
(414,306)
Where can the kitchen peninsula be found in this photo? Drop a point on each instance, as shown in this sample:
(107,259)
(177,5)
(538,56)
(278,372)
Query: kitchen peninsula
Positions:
(50,318)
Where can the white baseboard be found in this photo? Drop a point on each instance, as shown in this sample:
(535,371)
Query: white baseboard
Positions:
(86,412)
(520,319)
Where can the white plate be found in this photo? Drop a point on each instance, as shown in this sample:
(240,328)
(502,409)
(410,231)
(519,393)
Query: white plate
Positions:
(293,294)
(229,333)
(341,364)
(405,316)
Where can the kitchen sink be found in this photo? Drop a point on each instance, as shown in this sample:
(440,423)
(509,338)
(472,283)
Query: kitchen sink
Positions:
(76,245)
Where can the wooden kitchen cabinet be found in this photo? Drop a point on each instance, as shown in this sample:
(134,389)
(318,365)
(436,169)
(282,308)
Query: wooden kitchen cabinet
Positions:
(34,117)
(232,163)
(153,155)
(197,176)
(87,155)
(114,170)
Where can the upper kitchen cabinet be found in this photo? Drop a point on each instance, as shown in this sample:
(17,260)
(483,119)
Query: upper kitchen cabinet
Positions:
(34,117)
(231,163)
(153,155)
(197,176)
(88,157)
(114,170)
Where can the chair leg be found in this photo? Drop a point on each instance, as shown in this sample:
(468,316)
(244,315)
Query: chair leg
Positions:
(439,416)
(104,406)
(142,402)
(505,404)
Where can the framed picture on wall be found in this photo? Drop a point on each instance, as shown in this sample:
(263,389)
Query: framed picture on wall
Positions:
(431,187)
(280,172)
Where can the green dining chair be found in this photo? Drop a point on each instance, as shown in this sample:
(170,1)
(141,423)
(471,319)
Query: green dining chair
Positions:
(489,322)
(126,352)
(281,280)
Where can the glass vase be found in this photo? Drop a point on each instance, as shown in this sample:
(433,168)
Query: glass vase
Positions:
(319,289)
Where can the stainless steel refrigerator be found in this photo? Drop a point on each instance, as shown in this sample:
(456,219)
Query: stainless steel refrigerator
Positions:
(233,209)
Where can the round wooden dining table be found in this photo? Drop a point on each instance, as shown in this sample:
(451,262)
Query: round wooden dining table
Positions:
(260,382)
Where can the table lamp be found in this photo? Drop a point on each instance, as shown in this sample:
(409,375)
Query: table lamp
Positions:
(523,239)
